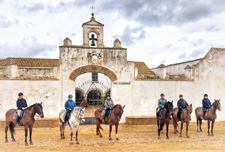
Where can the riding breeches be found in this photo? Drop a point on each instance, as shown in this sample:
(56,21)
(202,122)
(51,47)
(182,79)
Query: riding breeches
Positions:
(67,116)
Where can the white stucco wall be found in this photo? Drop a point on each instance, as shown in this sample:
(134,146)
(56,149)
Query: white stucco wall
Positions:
(47,92)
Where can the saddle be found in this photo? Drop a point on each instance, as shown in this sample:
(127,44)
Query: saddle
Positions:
(201,111)
(108,113)
(15,115)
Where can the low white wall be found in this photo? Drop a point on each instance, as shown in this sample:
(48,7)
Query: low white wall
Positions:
(47,92)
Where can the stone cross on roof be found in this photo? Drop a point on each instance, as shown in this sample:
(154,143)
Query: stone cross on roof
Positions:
(92,8)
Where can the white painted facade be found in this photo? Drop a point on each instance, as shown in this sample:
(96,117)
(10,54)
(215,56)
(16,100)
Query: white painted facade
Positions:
(206,75)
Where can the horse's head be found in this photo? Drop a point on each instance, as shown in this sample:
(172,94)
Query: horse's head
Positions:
(39,109)
(170,107)
(189,110)
(118,110)
(81,114)
(217,104)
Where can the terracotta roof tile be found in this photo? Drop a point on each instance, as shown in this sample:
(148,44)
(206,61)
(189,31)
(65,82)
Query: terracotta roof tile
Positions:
(29,62)
(144,72)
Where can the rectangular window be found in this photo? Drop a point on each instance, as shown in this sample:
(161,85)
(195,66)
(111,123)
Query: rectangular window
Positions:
(94,76)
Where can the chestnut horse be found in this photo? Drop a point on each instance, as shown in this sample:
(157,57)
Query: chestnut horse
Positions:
(165,117)
(209,116)
(28,121)
(185,117)
(114,119)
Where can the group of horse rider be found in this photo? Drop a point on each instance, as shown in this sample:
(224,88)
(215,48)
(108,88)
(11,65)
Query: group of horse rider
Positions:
(69,107)
(182,104)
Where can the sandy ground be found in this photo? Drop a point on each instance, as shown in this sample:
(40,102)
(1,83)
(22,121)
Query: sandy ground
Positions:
(132,138)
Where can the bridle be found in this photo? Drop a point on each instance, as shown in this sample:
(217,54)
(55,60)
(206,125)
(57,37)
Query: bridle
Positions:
(119,116)
(78,117)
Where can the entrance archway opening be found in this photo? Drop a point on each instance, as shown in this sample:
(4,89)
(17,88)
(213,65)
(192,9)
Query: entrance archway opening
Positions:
(79,97)
(94,97)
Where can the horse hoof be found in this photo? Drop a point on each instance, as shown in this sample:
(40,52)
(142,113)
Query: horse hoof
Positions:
(31,143)
(167,138)
(101,136)
(180,136)
(26,144)
(13,140)
(158,137)
(200,130)
(77,143)
(6,141)
(212,134)
(110,138)
(71,143)
(188,137)
(117,139)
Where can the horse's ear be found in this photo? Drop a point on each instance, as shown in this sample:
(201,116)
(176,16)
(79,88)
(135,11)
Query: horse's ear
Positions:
(41,103)
(191,105)
(172,101)
(219,99)
(124,106)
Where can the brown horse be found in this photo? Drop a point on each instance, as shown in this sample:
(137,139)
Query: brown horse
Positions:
(27,121)
(165,117)
(114,119)
(185,117)
(209,116)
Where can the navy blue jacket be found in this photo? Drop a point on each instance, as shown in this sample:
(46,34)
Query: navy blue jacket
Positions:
(181,104)
(21,103)
(69,105)
(206,103)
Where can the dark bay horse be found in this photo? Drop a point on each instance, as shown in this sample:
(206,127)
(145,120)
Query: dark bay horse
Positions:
(114,119)
(165,117)
(209,116)
(28,121)
(185,117)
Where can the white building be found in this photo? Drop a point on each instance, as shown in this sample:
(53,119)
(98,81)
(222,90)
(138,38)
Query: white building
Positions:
(91,70)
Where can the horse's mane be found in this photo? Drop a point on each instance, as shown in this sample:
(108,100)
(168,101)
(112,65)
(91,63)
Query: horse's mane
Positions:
(117,105)
(31,106)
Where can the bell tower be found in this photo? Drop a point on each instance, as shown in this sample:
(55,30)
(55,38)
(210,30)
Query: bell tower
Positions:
(93,33)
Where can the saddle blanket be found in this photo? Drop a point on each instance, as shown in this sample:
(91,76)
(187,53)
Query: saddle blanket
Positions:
(15,115)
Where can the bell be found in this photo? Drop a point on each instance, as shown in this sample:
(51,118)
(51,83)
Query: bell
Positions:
(92,43)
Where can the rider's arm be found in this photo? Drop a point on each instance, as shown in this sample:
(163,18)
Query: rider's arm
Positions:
(25,103)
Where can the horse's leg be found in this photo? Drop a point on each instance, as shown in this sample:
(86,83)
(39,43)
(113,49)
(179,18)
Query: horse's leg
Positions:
(162,128)
(26,129)
(212,127)
(197,123)
(30,133)
(208,127)
(62,131)
(174,126)
(77,135)
(97,128)
(200,122)
(71,129)
(6,130)
(167,128)
(116,126)
(187,124)
(12,126)
(110,130)
(159,130)
(181,127)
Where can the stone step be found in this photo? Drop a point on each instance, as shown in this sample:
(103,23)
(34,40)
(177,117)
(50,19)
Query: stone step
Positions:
(140,120)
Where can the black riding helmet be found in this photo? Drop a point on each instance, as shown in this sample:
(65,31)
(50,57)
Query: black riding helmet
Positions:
(20,94)
(162,94)
(205,95)
(108,95)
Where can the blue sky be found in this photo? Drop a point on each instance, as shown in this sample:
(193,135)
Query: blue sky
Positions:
(154,31)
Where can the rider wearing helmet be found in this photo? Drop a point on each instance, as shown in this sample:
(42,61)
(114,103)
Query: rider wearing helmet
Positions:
(206,104)
(108,106)
(69,106)
(21,103)
(161,103)
(181,104)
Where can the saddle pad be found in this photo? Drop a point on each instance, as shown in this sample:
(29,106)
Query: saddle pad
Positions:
(176,112)
(15,115)
(201,110)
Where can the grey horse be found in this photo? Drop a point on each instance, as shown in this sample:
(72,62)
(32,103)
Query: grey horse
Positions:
(77,116)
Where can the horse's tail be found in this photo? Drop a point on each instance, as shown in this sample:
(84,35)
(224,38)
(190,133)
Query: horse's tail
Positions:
(11,127)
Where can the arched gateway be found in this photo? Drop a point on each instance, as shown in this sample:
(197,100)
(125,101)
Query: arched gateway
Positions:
(91,70)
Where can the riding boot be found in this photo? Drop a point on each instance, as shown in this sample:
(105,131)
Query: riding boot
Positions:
(18,121)
(178,116)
